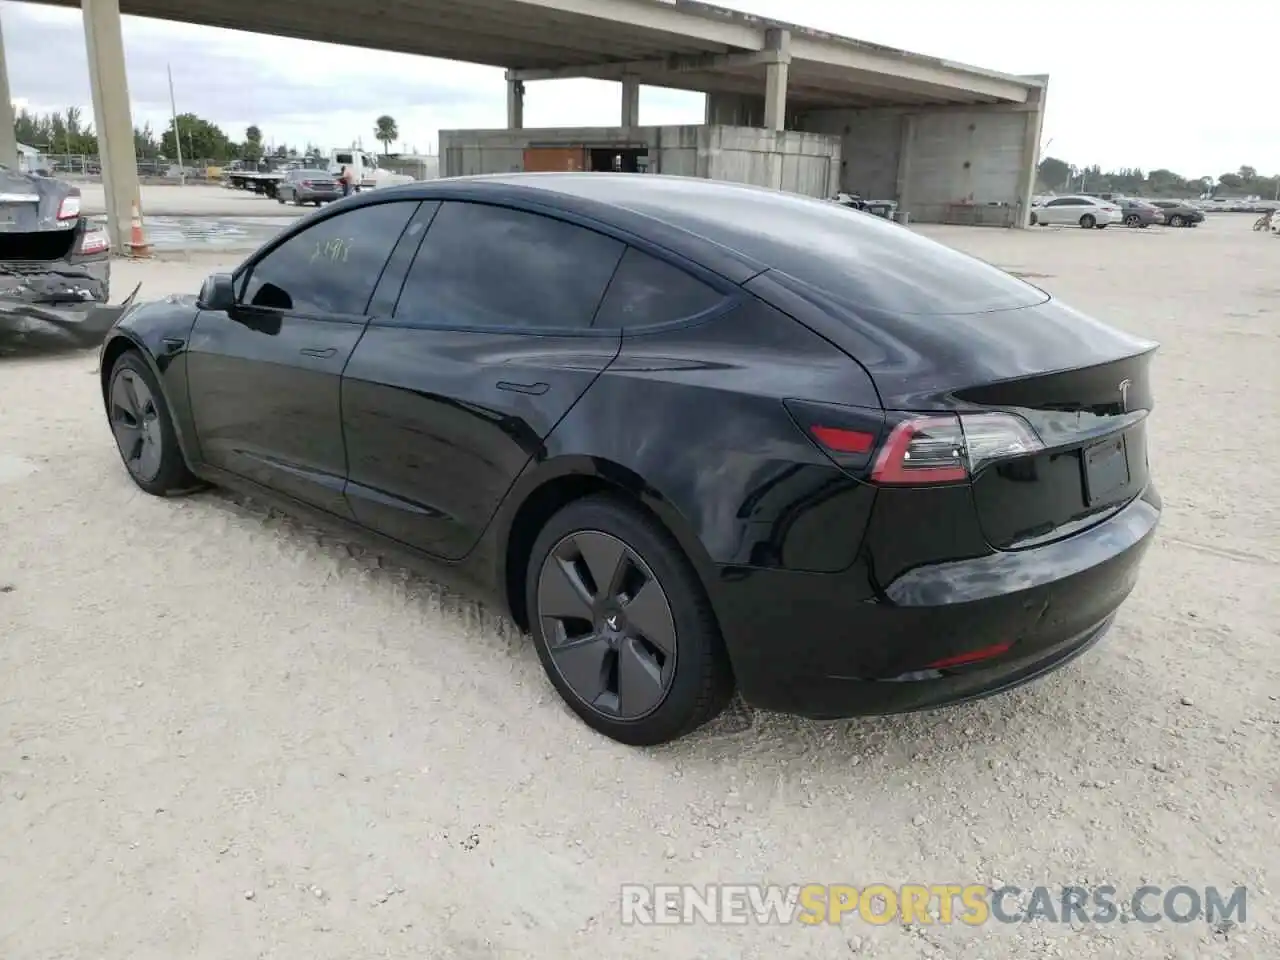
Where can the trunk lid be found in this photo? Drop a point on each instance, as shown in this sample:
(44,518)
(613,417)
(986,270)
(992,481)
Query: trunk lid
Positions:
(1083,387)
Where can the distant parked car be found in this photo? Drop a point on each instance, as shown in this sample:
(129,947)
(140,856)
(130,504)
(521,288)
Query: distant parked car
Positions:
(308,186)
(1179,214)
(1088,212)
(1139,213)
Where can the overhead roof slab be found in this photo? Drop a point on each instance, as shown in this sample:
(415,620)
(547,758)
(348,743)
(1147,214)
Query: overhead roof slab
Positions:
(671,43)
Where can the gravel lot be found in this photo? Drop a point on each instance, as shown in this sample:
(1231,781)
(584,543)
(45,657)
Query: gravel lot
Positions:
(224,734)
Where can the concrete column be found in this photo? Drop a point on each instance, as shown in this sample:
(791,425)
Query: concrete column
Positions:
(775,93)
(112,119)
(630,102)
(1031,152)
(8,140)
(515,103)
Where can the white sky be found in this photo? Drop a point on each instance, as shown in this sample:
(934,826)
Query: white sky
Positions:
(1132,82)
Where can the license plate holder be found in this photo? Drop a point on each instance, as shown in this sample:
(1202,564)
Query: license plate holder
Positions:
(1106,470)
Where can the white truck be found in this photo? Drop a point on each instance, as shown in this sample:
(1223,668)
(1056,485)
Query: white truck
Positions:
(368,174)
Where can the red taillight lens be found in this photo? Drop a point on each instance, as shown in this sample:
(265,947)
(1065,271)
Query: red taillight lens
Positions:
(840,440)
(949,449)
(69,209)
(922,450)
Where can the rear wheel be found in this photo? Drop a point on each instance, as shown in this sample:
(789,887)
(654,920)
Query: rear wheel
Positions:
(1088,221)
(1133,220)
(1177,220)
(143,429)
(622,625)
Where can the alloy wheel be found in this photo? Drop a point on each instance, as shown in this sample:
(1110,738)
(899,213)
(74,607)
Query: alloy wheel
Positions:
(135,421)
(607,624)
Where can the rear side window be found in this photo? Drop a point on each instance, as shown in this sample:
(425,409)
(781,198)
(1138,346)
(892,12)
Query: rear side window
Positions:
(647,291)
(331,267)
(487,266)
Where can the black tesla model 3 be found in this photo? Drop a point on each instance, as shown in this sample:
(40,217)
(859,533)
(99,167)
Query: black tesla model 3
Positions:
(693,436)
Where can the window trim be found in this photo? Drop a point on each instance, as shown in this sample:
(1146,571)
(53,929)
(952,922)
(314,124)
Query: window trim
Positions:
(733,294)
(244,273)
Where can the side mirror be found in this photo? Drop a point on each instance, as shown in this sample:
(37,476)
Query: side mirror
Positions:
(218,293)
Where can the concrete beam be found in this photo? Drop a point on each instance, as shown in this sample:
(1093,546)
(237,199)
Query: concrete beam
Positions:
(515,103)
(112,119)
(630,102)
(662,17)
(851,55)
(775,92)
(8,138)
(678,63)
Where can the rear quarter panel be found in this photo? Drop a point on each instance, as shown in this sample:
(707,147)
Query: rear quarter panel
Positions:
(692,419)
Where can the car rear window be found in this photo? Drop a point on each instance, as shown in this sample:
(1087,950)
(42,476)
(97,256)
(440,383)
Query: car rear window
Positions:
(856,258)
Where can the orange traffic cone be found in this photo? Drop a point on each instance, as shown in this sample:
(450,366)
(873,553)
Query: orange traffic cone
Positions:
(138,246)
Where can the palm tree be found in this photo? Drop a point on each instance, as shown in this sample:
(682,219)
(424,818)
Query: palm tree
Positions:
(385,130)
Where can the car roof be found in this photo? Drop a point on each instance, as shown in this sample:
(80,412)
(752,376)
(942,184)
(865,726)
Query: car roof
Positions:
(741,231)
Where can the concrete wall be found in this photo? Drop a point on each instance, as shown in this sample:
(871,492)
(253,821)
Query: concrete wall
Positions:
(800,162)
(955,164)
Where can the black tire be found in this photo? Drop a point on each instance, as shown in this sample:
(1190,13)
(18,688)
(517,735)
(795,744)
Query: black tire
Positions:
(1088,221)
(1133,220)
(700,682)
(170,475)
(279,199)
(1177,220)
(1034,219)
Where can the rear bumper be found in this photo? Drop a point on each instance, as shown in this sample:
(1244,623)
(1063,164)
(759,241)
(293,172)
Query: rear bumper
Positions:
(313,195)
(62,308)
(836,645)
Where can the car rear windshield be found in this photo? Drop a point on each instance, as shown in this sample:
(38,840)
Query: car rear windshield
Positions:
(859,259)
(313,175)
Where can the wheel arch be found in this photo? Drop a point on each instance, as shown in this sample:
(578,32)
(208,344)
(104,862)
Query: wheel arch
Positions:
(122,341)
(553,485)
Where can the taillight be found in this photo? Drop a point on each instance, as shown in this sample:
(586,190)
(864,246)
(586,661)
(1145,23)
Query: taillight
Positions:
(94,240)
(69,209)
(920,449)
(950,448)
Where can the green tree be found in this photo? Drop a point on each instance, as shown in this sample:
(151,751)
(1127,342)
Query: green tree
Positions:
(1053,172)
(201,140)
(252,149)
(385,130)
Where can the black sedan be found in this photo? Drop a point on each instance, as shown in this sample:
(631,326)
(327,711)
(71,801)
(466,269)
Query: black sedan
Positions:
(1178,214)
(54,266)
(1139,213)
(830,463)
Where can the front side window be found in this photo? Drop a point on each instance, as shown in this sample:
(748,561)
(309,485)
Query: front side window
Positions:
(330,268)
(488,266)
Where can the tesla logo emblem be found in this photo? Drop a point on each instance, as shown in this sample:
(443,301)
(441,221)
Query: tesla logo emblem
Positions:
(1124,395)
(612,622)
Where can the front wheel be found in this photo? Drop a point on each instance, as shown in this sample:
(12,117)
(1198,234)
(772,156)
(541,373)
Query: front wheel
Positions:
(1088,221)
(622,624)
(1034,219)
(143,429)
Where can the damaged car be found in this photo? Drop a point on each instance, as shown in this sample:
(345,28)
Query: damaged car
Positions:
(55,267)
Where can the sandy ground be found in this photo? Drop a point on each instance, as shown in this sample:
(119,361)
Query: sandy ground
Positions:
(195,200)
(223,734)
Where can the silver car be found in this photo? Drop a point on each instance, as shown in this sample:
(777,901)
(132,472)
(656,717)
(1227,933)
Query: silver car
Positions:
(308,186)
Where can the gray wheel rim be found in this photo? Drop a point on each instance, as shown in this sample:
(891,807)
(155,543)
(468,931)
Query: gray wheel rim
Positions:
(135,421)
(608,625)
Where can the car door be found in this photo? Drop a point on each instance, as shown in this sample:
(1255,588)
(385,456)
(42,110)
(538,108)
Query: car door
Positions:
(489,345)
(265,376)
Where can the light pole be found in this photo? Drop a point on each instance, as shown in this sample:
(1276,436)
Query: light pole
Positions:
(177,134)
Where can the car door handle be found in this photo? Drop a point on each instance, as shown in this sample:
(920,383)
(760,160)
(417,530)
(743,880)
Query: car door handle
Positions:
(318,353)
(536,389)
